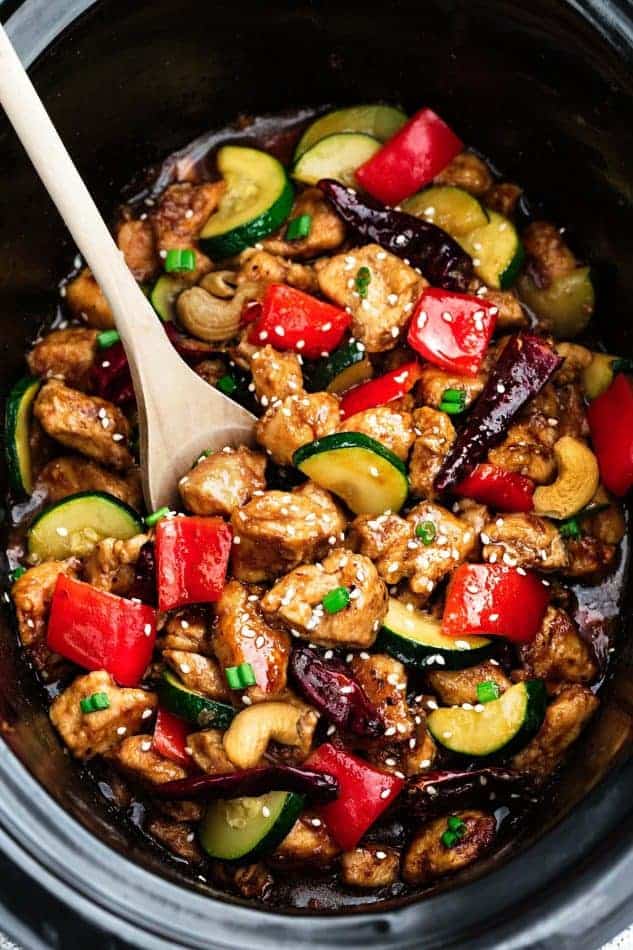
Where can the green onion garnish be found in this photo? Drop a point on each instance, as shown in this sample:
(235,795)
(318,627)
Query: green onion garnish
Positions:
(362,281)
(17,573)
(239,677)
(455,831)
(299,227)
(227,385)
(94,703)
(487,691)
(108,338)
(570,528)
(425,531)
(336,600)
(622,365)
(453,401)
(180,259)
(155,516)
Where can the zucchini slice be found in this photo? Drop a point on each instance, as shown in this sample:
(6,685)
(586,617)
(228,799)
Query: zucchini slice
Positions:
(192,706)
(503,726)
(343,368)
(17,447)
(163,296)
(367,476)
(377,120)
(496,251)
(452,209)
(566,307)
(76,524)
(239,827)
(416,638)
(337,156)
(257,201)
(598,376)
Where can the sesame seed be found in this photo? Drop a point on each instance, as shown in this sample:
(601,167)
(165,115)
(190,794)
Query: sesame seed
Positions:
(147,713)
(147,629)
(121,731)
(145,746)
(316,822)
(381,855)
(247,700)
(385,793)
(62,532)
(117,437)
(390,731)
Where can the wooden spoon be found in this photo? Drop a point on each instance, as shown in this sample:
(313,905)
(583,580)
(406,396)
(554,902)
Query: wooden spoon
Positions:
(180,415)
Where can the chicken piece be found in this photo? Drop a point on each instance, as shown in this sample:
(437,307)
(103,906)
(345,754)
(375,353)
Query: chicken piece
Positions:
(253,881)
(89,424)
(455,687)
(207,751)
(435,434)
(111,566)
(181,810)
(510,313)
(607,524)
(223,481)
(276,375)
(572,414)
(547,252)
(201,674)
(375,537)
(372,866)
(589,557)
(422,751)
(176,836)
(391,427)
(70,474)
(384,682)
(576,357)
(503,198)
(527,449)
(32,595)
(211,370)
(434,382)
(466,171)
(295,421)
(565,719)
(88,734)
(137,759)
(243,636)
(476,516)
(307,843)
(65,354)
(524,540)
(327,231)
(558,652)
(296,601)
(87,302)
(180,215)
(265,268)
(187,630)
(136,240)
(428,858)
(279,530)
(379,318)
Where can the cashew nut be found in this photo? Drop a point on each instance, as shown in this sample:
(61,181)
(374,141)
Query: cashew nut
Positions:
(211,319)
(576,483)
(247,737)
(220,283)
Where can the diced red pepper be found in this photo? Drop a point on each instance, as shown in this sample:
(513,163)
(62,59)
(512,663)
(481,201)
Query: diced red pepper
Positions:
(364,793)
(452,330)
(611,422)
(378,392)
(170,737)
(494,486)
(410,159)
(292,320)
(192,556)
(100,631)
(494,600)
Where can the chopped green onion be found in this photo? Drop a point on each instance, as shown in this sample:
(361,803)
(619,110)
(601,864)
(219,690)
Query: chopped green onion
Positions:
(17,573)
(362,281)
(226,385)
(622,365)
(336,600)
(239,677)
(449,839)
(155,516)
(108,338)
(94,703)
(180,259)
(299,227)
(487,691)
(455,831)
(453,401)
(425,531)
(455,823)
(570,528)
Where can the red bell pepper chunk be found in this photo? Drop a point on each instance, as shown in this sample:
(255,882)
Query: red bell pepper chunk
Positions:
(494,600)
(610,418)
(378,392)
(503,491)
(410,159)
(192,556)
(170,737)
(100,631)
(364,793)
(292,320)
(452,330)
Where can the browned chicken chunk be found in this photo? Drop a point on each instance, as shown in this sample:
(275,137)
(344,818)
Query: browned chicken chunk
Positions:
(69,474)
(503,198)
(136,240)
(434,435)
(307,843)
(392,427)
(87,302)
(188,630)
(32,595)
(565,719)
(223,481)
(111,566)
(428,858)
(434,382)
(202,674)
(65,354)
(182,212)
(455,687)
(137,759)
(384,682)
(510,313)
(327,231)
(265,268)
(295,421)
(558,652)
(179,838)
(589,557)
(547,252)
(371,866)
(276,375)
(524,540)
(207,751)
(467,171)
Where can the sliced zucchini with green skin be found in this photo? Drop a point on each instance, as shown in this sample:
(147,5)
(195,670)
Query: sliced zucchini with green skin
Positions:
(76,524)
(337,156)
(345,367)
(248,827)
(364,473)
(377,120)
(163,296)
(192,706)
(17,426)
(503,726)
(565,307)
(598,376)
(416,639)
(496,251)
(452,209)
(257,201)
